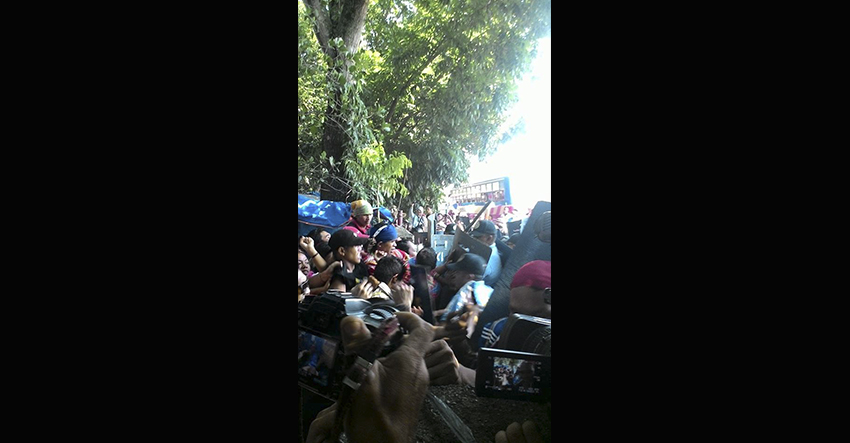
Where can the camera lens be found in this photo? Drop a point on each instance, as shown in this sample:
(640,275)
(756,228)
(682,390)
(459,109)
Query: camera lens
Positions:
(380,313)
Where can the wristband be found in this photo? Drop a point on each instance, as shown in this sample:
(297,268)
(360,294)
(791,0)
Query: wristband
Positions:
(314,256)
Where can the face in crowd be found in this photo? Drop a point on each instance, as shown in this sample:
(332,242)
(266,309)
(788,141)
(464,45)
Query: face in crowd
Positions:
(386,246)
(325,236)
(351,254)
(529,301)
(488,239)
(362,220)
(455,279)
(303,263)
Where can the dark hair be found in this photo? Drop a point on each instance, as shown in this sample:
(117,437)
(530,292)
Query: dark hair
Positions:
(427,257)
(404,245)
(388,267)
(450,229)
(316,235)
(322,248)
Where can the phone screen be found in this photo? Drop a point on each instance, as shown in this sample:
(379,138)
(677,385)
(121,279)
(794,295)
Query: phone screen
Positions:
(513,375)
(316,360)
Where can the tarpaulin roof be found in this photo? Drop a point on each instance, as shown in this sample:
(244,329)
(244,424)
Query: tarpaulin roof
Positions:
(325,213)
(328,214)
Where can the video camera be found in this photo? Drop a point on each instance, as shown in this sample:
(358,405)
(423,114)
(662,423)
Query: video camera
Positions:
(321,357)
(519,368)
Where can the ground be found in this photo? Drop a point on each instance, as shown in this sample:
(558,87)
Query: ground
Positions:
(484,416)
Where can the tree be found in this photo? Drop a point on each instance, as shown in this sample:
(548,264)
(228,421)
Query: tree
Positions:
(338,26)
(435,78)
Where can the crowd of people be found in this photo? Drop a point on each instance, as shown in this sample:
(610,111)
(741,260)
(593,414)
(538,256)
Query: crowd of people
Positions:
(369,259)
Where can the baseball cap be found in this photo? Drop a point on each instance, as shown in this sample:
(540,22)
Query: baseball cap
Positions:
(344,237)
(483,227)
(537,274)
(360,207)
(471,263)
(383,232)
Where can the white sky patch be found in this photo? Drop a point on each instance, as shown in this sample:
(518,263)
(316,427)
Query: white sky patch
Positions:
(526,159)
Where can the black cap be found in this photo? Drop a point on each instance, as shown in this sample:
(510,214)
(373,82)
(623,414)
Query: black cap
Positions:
(471,263)
(344,237)
(483,227)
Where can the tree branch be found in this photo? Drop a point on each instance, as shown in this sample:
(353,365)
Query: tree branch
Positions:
(416,73)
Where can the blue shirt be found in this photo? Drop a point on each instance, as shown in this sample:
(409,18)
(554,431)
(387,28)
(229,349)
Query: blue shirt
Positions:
(491,332)
(494,267)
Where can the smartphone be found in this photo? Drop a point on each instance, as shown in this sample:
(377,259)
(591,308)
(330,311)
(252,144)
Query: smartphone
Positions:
(513,375)
(421,294)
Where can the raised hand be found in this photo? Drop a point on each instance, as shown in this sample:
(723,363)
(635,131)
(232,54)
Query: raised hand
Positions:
(386,407)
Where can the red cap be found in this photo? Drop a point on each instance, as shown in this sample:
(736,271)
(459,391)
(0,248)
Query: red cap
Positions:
(537,274)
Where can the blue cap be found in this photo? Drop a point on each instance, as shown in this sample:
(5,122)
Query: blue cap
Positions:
(383,232)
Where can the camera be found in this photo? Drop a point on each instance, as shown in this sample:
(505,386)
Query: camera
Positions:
(526,333)
(321,357)
(519,368)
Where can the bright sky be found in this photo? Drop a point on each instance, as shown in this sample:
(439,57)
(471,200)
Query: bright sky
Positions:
(526,158)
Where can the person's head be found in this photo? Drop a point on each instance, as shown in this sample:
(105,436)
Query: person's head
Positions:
(484,230)
(469,267)
(427,257)
(346,246)
(303,286)
(450,229)
(389,270)
(385,236)
(406,246)
(319,235)
(420,210)
(303,262)
(531,289)
(361,211)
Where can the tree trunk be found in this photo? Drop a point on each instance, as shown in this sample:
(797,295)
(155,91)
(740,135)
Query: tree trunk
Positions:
(333,143)
(345,19)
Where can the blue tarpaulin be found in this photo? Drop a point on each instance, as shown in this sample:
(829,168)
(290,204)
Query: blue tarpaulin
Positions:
(330,215)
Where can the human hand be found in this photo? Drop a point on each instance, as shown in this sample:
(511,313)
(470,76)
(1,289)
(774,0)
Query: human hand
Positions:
(307,244)
(329,271)
(527,433)
(386,406)
(443,367)
(402,293)
(455,327)
(322,426)
(363,290)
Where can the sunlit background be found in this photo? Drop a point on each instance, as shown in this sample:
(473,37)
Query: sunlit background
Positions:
(526,158)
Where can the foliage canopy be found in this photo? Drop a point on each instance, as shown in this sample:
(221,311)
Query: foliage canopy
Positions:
(428,83)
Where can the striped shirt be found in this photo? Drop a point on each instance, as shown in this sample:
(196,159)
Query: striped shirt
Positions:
(490,333)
